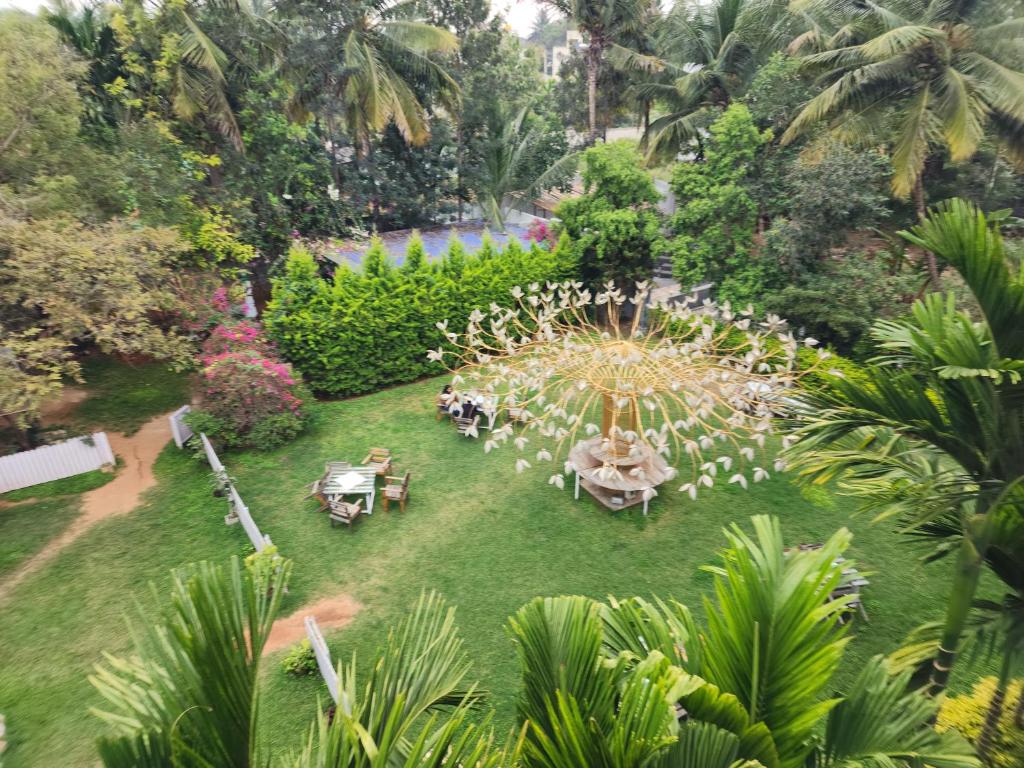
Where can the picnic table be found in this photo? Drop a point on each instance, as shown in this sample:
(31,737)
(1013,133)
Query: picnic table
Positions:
(353,481)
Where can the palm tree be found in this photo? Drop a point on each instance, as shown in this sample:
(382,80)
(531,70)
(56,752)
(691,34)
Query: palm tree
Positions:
(707,55)
(191,694)
(634,683)
(371,64)
(508,168)
(933,434)
(928,75)
(603,22)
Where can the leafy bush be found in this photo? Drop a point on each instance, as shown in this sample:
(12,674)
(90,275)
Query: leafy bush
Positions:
(822,377)
(967,713)
(715,223)
(250,398)
(300,661)
(614,230)
(838,305)
(371,328)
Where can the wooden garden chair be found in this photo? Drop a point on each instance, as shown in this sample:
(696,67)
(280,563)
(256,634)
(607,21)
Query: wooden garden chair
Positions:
(345,512)
(396,489)
(462,425)
(380,460)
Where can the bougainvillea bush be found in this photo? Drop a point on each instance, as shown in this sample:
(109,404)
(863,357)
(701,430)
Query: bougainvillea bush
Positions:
(250,399)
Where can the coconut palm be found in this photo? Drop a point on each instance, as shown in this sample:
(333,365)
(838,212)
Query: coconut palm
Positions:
(603,22)
(933,434)
(707,55)
(921,76)
(635,683)
(369,63)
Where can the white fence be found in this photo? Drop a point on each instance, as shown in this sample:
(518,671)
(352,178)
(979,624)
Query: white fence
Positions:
(323,660)
(179,428)
(258,539)
(54,462)
(238,507)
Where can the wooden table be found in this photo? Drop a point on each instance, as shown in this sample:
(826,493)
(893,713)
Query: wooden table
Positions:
(334,486)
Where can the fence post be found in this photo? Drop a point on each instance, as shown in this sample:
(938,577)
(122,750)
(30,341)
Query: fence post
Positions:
(323,662)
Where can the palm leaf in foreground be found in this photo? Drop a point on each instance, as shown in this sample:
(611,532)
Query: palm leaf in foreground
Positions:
(190,696)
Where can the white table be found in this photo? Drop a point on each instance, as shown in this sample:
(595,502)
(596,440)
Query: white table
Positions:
(364,485)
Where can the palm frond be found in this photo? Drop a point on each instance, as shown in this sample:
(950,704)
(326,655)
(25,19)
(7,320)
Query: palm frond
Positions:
(774,640)
(880,723)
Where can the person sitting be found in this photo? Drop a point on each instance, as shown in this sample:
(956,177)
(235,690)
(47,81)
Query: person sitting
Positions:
(447,401)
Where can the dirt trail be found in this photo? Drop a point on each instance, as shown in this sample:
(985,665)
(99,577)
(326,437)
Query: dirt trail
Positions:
(330,612)
(118,497)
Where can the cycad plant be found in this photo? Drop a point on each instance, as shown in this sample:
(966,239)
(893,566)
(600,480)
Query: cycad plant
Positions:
(919,76)
(932,434)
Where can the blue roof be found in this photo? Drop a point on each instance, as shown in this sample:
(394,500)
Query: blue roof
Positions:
(435,241)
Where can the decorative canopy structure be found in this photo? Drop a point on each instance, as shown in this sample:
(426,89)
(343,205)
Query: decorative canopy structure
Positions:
(629,405)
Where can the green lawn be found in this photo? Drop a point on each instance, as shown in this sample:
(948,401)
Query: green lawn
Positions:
(25,528)
(123,397)
(485,537)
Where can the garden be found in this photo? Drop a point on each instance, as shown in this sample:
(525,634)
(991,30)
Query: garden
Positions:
(421,384)
(484,537)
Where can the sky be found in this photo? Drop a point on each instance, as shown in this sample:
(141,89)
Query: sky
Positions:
(520,13)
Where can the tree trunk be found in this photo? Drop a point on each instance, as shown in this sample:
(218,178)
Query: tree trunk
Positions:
(594,51)
(1018,713)
(990,729)
(919,206)
(969,561)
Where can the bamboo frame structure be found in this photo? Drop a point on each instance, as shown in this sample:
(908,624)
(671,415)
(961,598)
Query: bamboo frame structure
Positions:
(697,384)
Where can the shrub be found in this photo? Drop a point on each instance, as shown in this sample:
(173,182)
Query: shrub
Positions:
(967,713)
(250,398)
(370,328)
(300,660)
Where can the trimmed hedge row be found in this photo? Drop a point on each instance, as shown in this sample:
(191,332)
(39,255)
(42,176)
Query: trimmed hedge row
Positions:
(372,327)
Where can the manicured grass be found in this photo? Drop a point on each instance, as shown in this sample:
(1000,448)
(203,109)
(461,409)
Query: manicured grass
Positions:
(25,528)
(123,397)
(66,486)
(486,538)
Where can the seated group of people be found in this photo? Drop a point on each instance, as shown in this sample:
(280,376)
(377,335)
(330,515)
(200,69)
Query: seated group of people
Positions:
(453,403)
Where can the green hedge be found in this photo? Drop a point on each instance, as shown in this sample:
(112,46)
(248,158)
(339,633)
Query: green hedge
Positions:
(371,328)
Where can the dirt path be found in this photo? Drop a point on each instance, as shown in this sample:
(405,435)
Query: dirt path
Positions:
(330,612)
(118,497)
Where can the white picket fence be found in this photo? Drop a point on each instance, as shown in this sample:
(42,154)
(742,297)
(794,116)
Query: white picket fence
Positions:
(241,511)
(323,660)
(181,431)
(55,462)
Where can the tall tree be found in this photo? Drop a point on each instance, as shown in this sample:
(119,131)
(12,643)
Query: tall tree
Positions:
(603,22)
(706,54)
(921,77)
(933,435)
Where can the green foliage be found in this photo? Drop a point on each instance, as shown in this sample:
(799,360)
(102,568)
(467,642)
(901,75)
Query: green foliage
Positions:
(214,240)
(39,106)
(612,173)
(715,222)
(838,304)
(368,329)
(300,661)
(966,713)
(812,221)
(202,657)
(614,230)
